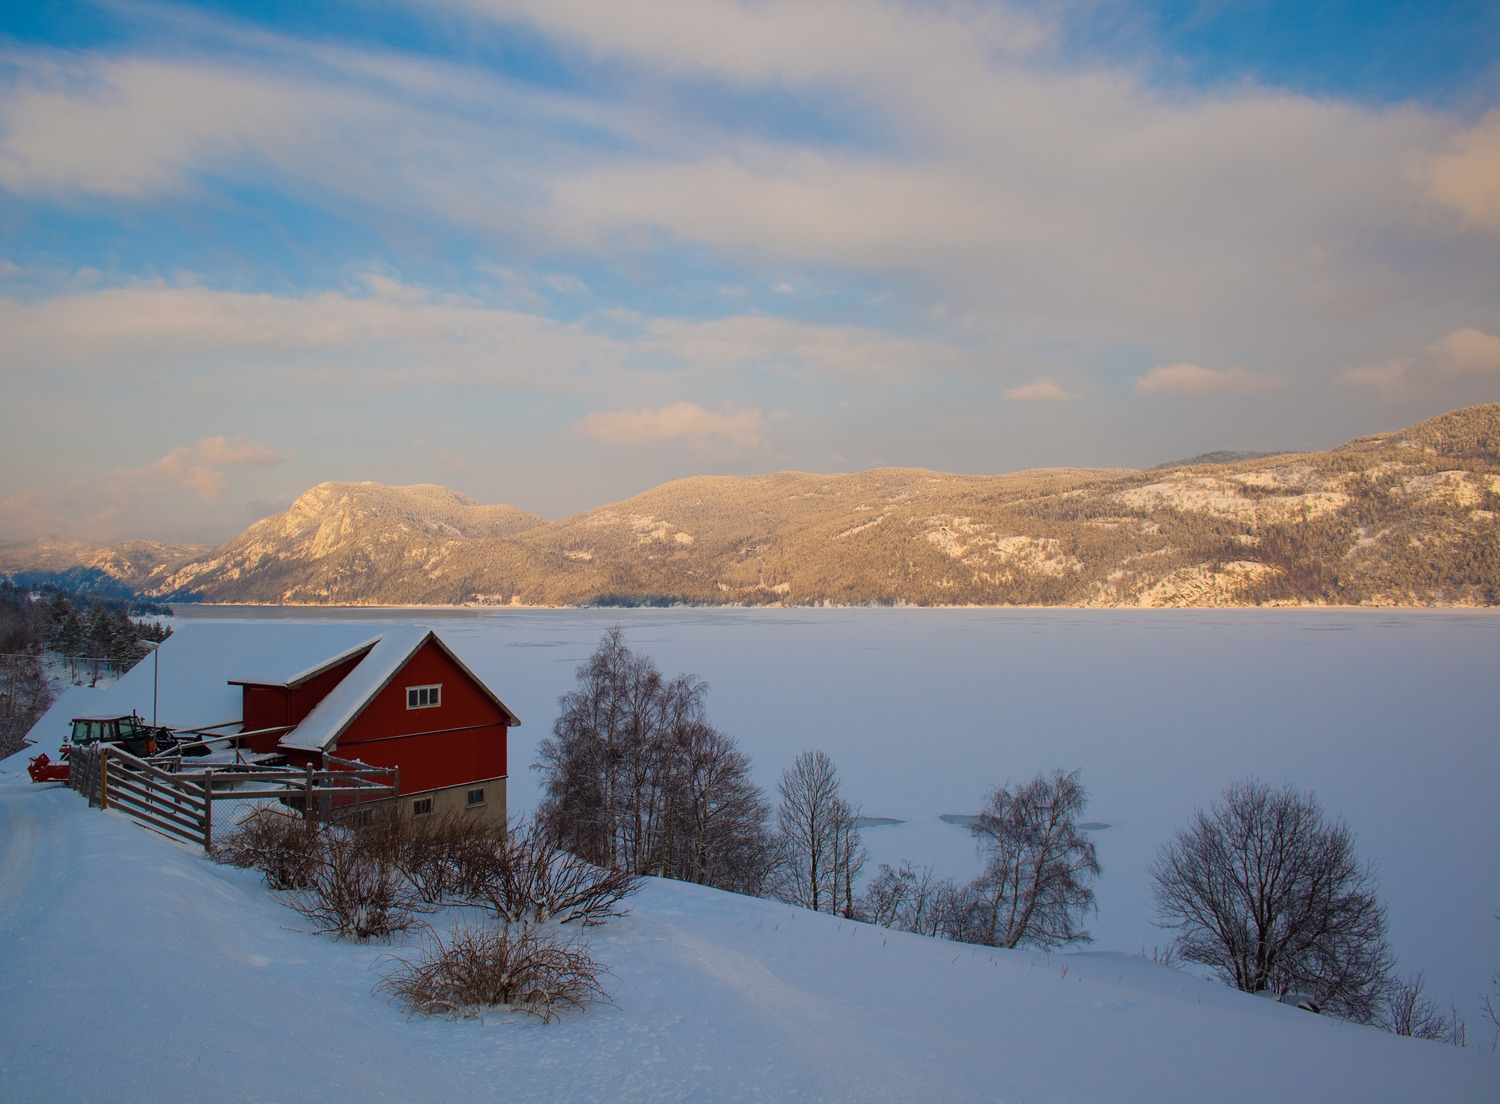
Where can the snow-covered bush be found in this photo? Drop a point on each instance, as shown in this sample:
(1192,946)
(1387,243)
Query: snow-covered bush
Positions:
(523,966)
(280,844)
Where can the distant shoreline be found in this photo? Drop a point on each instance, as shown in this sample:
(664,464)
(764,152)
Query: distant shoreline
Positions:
(210,610)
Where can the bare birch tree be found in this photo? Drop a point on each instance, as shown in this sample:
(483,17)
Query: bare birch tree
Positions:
(819,836)
(638,780)
(910,899)
(1038,867)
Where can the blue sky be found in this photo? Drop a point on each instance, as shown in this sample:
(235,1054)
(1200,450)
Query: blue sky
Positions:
(554,253)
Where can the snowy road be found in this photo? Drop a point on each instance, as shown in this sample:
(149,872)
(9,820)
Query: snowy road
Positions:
(131,969)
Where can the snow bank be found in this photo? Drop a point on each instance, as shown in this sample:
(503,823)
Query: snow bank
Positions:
(132,969)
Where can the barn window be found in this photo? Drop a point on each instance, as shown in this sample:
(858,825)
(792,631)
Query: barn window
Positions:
(476,797)
(424,697)
(421,807)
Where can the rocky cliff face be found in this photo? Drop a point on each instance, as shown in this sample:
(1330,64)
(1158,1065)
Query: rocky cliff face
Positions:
(1401,518)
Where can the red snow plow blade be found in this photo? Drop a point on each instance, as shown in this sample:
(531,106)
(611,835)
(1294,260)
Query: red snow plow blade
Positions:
(43,769)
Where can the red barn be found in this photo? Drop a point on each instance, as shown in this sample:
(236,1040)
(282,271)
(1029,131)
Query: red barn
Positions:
(402,699)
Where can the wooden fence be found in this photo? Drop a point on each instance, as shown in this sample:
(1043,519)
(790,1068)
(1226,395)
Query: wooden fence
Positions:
(180,804)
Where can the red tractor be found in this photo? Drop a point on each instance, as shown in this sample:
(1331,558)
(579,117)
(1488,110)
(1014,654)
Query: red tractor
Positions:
(126,730)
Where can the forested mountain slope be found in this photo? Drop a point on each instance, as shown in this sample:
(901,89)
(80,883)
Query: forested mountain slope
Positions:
(1396,518)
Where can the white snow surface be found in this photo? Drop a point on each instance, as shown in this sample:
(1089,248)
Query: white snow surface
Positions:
(133,969)
(1388,715)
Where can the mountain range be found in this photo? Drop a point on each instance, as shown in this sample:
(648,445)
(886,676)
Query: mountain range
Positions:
(1403,518)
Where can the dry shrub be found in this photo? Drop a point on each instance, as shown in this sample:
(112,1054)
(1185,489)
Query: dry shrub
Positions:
(356,893)
(444,858)
(523,967)
(528,879)
(281,845)
(452,857)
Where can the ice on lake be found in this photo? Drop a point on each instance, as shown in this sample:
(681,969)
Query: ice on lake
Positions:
(1393,718)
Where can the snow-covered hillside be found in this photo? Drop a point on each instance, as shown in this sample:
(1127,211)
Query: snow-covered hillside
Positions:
(133,969)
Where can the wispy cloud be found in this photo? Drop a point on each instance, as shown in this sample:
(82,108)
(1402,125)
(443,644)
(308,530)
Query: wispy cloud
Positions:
(1041,390)
(1460,356)
(683,421)
(1466,178)
(1081,199)
(198,467)
(1192,379)
(389,334)
(848,352)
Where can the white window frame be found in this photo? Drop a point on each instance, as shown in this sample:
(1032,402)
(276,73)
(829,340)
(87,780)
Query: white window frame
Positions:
(416,807)
(469,802)
(432,691)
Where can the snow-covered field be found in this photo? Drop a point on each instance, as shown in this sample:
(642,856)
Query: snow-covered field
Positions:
(132,969)
(1390,717)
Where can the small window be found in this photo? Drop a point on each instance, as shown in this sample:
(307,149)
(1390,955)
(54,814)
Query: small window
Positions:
(424,697)
(421,807)
(476,797)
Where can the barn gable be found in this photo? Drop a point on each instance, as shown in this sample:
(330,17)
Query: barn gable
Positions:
(376,671)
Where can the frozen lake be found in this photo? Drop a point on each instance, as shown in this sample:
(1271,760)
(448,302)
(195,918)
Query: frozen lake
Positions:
(1392,717)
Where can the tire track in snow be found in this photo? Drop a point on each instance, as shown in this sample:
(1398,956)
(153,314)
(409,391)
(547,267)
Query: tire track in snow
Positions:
(29,828)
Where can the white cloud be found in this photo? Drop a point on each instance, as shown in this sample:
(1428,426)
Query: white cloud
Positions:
(1458,356)
(794,41)
(1041,390)
(394,334)
(1192,379)
(851,352)
(1467,179)
(199,467)
(683,421)
(1466,352)
(1086,202)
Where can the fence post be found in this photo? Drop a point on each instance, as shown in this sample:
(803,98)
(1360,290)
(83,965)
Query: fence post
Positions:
(208,809)
(307,801)
(103,780)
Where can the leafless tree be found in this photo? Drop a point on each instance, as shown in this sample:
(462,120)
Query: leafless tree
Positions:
(819,836)
(1267,890)
(1490,1002)
(911,899)
(723,839)
(1408,1012)
(1039,866)
(638,780)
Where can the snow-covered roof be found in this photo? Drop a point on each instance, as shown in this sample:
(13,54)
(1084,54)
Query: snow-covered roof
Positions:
(187,682)
(294,665)
(331,716)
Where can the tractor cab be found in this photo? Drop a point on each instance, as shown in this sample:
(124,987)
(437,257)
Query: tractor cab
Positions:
(124,730)
(127,731)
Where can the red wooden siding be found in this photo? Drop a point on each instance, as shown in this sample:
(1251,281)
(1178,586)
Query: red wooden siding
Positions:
(282,706)
(462,740)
